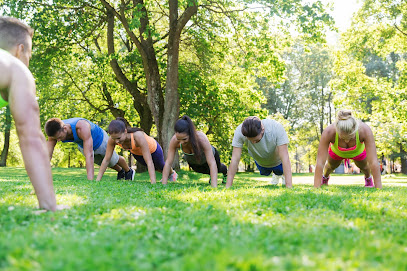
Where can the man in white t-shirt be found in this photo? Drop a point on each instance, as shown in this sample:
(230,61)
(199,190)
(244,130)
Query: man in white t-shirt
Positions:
(267,143)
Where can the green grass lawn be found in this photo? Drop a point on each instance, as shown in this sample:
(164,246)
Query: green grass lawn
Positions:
(132,225)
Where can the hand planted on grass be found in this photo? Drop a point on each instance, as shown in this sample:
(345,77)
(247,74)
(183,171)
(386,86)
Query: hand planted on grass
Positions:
(59,208)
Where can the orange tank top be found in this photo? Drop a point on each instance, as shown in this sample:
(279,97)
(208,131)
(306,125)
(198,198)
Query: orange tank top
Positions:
(152,145)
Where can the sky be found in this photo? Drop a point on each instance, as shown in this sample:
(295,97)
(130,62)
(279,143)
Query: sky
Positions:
(342,13)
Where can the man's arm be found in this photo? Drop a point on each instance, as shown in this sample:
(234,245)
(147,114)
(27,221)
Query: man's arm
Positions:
(50,146)
(25,111)
(282,151)
(84,133)
(234,163)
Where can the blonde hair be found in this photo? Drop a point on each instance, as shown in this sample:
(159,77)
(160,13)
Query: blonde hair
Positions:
(346,123)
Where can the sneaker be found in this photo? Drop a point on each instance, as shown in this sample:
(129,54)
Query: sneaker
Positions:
(129,175)
(274,179)
(282,180)
(173,177)
(121,174)
(369,182)
(325,180)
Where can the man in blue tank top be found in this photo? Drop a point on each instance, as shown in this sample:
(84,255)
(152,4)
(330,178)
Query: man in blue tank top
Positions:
(91,141)
(17,89)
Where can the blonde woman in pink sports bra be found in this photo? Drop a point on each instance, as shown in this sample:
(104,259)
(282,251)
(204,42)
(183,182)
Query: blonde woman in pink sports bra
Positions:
(347,138)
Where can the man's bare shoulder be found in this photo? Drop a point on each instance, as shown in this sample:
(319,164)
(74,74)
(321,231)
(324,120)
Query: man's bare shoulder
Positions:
(6,63)
(12,68)
(83,128)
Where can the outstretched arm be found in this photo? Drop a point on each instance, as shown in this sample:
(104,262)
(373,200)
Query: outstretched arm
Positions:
(371,156)
(234,163)
(285,159)
(84,132)
(210,158)
(170,158)
(322,155)
(109,152)
(50,146)
(25,111)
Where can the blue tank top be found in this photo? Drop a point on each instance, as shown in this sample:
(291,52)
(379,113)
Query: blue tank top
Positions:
(96,132)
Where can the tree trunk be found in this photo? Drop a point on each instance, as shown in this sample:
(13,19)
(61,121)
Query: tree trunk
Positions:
(6,146)
(403,158)
(172,103)
(145,45)
(69,159)
(175,164)
(330,109)
(321,120)
(392,166)
(139,99)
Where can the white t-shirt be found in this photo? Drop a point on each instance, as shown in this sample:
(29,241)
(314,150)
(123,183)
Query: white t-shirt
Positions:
(264,152)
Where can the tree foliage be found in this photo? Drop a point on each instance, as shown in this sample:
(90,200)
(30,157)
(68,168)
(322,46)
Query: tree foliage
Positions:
(371,72)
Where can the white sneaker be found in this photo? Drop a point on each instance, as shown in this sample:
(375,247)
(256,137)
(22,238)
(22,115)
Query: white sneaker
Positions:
(282,180)
(274,179)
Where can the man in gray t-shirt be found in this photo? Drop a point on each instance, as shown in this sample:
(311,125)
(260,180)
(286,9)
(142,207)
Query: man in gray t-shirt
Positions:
(267,143)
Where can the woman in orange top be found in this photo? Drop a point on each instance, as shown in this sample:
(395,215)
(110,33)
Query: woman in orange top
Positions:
(144,148)
(347,138)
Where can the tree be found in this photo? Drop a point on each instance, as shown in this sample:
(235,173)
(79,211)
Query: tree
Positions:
(376,46)
(304,98)
(7,129)
(149,35)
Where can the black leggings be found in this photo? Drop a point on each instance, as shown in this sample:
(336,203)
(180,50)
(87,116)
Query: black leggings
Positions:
(204,168)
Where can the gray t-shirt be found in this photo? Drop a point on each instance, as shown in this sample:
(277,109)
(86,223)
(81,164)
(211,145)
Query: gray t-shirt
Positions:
(264,152)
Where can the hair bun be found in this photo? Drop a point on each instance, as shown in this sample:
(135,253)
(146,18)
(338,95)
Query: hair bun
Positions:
(126,123)
(344,114)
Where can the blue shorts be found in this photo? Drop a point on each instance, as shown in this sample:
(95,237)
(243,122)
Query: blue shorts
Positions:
(278,170)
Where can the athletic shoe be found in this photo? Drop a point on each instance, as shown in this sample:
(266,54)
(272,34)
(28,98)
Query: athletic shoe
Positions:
(325,180)
(274,179)
(129,175)
(282,180)
(369,182)
(121,174)
(173,177)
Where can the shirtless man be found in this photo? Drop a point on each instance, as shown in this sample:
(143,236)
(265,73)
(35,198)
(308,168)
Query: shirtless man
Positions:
(17,89)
